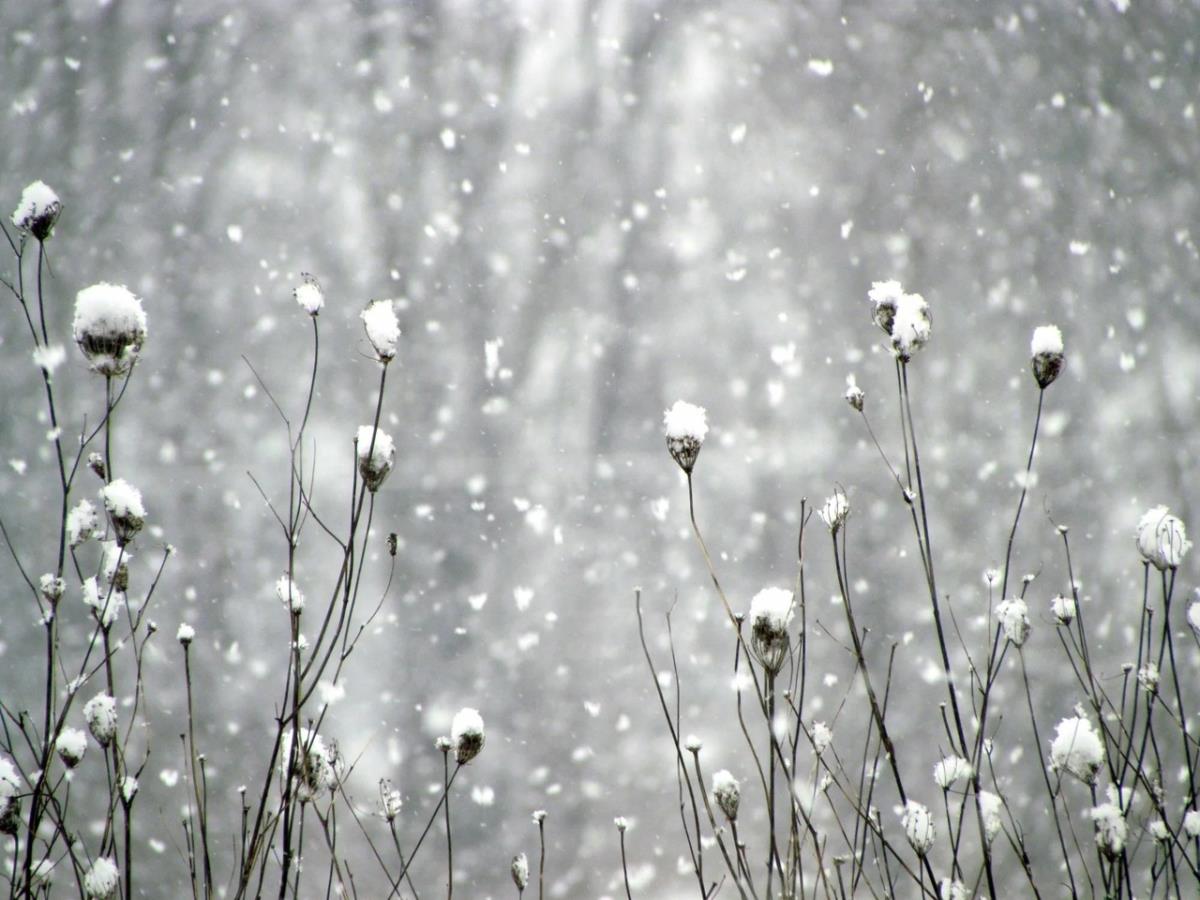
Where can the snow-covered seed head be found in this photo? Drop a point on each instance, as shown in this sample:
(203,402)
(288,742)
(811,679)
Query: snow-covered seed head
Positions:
(622,824)
(520,871)
(1191,823)
(109,327)
(991,806)
(1159,831)
(1077,749)
(770,615)
(1148,676)
(317,764)
(855,396)
(52,588)
(105,603)
(186,634)
(129,788)
(1193,616)
(918,827)
(382,327)
(466,735)
(1111,828)
(686,426)
(692,744)
(1046,351)
(38,210)
(101,879)
(376,454)
(100,713)
(952,889)
(822,737)
(10,799)
(390,801)
(911,326)
(1162,539)
(835,511)
(96,464)
(289,594)
(1063,609)
(82,523)
(123,503)
(49,357)
(539,816)
(70,746)
(1013,614)
(884,295)
(950,771)
(309,294)
(727,793)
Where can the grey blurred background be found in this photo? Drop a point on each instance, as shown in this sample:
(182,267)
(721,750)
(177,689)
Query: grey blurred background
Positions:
(638,201)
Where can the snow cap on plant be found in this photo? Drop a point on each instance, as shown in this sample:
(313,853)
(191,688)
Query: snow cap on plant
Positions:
(1191,823)
(1111,828)
(918,827)
(539,816)
(52,588)
(1014,620)
(622,824)
(309,294)
(854,395)
(692,744)
(991,807)
(109,327)
(382,327)
(884,297)
(38,210)
(10,797)
(947,772)
(101,715)
(466,735)
(376,454)
(727,793)
(105,602)
(911,326)
(686,426)
(49,357)
(82,523)
(101,879)
(1077,749)
(822,737)
(835,511)
(70,745)
(317,763)
(952,890)
(185,634)
(770,615)
(390,800)
(123,503)
(289,593)
(1162,539)
(1063,609)
(520,871)
(1046,350)
(1148,676)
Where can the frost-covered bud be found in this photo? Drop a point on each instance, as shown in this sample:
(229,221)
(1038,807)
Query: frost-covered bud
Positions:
(309,294)
(38,210)
(1111,829)
(316,767)
(82,523)
(686,426)
(951,770)
(382,327)
(1063,609)
(466,734)
(1014,620)
(727,793)
(835,512)
(912,325)
(1046,350)
(96,464)
(520,871)
(101,879)
(1162,539)
(101,715)
(884,296)
(70,746)
(952,890)
(376,454)
(186,633)
(1077,749)
(622,824)
(991,807)
(918,827)
(855,396)
(770,615)
(110,327)
(52,588)
(1191,823)
(390,800)
(539,816)
(289,593)
(10,800)
(123,503)
(822,737)
(1147,677)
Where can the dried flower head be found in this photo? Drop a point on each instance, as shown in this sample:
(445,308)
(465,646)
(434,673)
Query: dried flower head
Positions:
(622,824)
(951,770)
(123,503)
(822,737)
(51,588)
(1148,676)
(912,325)
(376,454)
(855,396)
(727,793)
(918,827)
(382,327)
(686,426)
(289,593)
(1046,350)
(309,294)
(1013,614)
(101,879)
(539,816)
(317,764)
(1111,829)
(390,801)
(770,615)
(466,735)
(10,797)
(185,633)
(100,713)
(70,746)
(991,806)
(109,327)
(1063,609)
(835,512)
(38,210)
(82,523)
(1077,749)
(1162,539)
(1191,823)
(520,871)
(884,296)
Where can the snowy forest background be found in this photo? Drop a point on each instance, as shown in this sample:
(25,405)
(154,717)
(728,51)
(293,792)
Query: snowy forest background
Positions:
(636,201)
